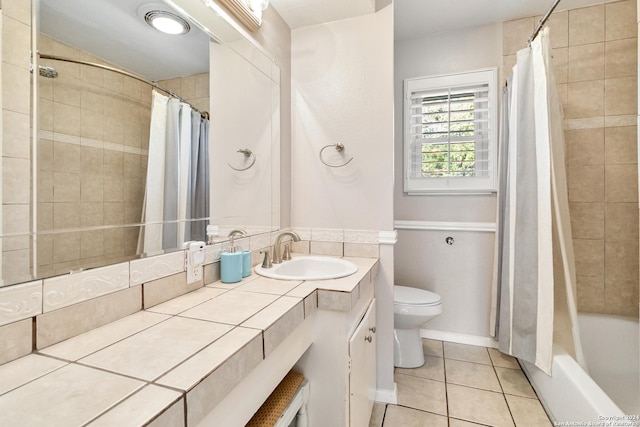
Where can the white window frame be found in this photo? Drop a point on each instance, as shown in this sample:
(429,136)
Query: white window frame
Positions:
(443,184)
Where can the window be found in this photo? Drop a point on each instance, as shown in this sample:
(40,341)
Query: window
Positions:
(450,125)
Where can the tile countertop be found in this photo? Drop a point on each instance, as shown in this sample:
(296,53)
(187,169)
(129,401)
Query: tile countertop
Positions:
(142,368)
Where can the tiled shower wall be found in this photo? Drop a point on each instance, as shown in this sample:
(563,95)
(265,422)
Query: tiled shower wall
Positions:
(92,159)
(92,155)
(595,66)
(16,152)
(193,89)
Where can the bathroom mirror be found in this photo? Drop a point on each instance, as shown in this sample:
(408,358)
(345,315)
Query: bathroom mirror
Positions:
(90,203)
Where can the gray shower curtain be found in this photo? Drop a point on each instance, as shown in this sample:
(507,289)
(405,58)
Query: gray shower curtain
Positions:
(176,202)
(534,275)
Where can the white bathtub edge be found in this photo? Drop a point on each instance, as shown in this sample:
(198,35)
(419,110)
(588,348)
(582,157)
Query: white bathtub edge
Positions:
(587,401)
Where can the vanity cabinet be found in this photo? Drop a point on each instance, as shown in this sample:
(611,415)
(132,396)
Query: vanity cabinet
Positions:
(340,365)
(362,375)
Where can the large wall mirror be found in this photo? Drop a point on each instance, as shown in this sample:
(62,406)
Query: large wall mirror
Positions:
(124,170)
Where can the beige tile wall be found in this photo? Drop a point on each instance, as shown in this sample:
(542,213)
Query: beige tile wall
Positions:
(16,154)
(93,151)
(595,65)
(193,89)
(92,155)
(92,158)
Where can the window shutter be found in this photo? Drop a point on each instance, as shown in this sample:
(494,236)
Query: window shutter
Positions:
(450,133)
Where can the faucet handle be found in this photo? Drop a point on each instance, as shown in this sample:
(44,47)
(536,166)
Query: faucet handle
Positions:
(287,252)
(266,262)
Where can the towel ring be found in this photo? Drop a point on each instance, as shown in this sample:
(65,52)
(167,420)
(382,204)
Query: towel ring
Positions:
(247,153)
(339,148)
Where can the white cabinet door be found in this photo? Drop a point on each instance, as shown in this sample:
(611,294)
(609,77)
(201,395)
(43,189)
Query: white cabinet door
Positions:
(362,377)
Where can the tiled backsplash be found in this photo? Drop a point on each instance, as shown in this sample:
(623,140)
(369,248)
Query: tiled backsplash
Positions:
(595,59)
(58,308)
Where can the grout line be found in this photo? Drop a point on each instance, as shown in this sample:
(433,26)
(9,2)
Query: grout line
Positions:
(477,388)
(497,377)
(504,397)
(446,383)
(446,388)
(418,409)
(384,414)
(509,409)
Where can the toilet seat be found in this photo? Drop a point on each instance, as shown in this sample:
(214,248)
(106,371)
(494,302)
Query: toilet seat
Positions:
(404,295)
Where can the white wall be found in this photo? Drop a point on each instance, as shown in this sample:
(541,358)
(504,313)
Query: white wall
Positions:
(342,91)
(422,258)
(275,38)
(240,199)
(462,50)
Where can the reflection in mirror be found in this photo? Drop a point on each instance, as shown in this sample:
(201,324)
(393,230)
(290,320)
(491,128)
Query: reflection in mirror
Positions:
(93,126)
(241,184)
(100,129)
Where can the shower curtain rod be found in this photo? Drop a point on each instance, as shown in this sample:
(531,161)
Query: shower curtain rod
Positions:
(542,21)
(204,114)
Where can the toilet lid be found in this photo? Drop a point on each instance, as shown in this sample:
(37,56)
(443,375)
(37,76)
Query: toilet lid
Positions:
(407,295)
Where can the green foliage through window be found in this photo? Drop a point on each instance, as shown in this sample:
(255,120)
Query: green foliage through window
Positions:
(447,137)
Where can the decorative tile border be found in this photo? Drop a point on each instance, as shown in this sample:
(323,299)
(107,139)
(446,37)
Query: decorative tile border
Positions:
(156,267)
(304,233)
(617,121)
(327,235)
(19,302)
(95,143)
(589,123)
(212,253)
(260,241)
(362,236)
(69,289)
(599,122)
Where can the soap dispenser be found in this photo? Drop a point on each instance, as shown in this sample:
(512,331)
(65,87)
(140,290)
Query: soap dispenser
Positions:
(231,264)
(246,263)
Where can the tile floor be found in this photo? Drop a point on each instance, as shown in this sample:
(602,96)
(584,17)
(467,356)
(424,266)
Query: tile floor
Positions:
(462,386)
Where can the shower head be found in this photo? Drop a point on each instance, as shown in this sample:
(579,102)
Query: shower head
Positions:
(47,71)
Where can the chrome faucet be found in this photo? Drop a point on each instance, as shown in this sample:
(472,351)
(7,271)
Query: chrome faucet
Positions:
(277,251)
(237,231)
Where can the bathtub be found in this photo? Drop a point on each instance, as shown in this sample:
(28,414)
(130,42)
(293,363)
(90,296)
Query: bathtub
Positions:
(612,387)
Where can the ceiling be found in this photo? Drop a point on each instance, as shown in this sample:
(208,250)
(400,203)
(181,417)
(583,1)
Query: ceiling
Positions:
(131,44)
(302,13)
(419,18)
(138,48)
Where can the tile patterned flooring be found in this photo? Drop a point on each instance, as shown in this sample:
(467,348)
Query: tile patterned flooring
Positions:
(462,386)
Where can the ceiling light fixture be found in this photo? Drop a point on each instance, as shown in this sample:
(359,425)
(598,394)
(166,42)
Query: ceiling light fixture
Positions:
(167,22)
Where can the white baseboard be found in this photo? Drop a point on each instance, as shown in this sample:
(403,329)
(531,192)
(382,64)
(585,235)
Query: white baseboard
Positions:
(387,396)
(459,338)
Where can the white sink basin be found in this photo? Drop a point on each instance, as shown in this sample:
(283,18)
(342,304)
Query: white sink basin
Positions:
(309,268)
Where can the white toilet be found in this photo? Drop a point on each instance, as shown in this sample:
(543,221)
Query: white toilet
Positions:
(412,307)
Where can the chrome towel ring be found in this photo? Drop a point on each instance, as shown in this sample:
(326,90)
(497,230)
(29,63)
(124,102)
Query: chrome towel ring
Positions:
(339,148)
(247,154)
